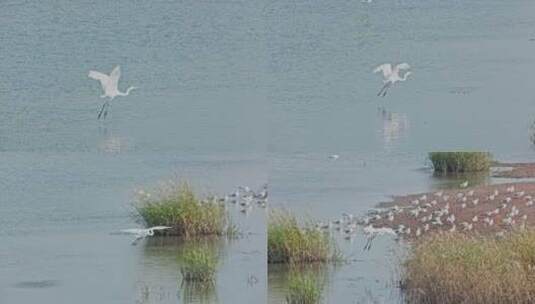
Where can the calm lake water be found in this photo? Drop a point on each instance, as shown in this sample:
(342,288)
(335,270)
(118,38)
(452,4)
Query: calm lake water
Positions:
(238,93)
(472,62)
(67,180)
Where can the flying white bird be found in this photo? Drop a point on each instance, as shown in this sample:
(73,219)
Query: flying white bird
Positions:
(110,87)
(142,233)
(391,75)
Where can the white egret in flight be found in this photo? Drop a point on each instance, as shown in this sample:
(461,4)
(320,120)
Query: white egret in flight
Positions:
(391,75)
(142,233)
(110,87)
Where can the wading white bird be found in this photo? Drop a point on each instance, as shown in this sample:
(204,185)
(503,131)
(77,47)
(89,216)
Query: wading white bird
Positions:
(141,233)
(110,87)
(370,232)
(391,75)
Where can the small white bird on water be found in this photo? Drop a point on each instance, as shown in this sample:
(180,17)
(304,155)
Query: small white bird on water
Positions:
(391,75)
(142,233)
(334,156)
(109,84)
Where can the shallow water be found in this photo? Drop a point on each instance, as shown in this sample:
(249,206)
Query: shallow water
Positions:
(472,62)
(68,180)
(231,93)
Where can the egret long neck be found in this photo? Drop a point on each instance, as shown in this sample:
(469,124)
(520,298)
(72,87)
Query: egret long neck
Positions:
(127,91)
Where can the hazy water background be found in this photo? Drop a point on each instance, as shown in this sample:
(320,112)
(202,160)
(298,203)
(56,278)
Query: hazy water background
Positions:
(238,92)
(472,62)
(67,180)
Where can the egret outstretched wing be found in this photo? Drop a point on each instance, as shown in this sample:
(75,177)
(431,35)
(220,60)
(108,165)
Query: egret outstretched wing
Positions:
(160,227)
(132,231)
(103,78)
(385,68)
(114,76)
(403,66)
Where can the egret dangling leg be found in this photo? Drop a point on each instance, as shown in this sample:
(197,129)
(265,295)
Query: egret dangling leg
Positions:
(102,109)
(106,111)
(387,86)
(382,92)
(369,241)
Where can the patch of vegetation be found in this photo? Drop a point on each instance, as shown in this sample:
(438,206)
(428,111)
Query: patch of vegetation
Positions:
(199,264)
(303,288)
(177,206)
(455,268)
(289,242)
(198,292)
(460,162)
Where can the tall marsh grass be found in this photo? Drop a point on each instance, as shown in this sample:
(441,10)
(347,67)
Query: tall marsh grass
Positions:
(177,206)
(303,288)
(455,268)
(199,264)
(289,242)
(460,162)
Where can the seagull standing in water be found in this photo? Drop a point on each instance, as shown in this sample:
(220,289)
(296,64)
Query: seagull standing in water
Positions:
(142,233)
(110,87)
(391,75)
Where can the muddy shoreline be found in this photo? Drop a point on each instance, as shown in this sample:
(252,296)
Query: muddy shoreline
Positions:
(513,170)
(490,209)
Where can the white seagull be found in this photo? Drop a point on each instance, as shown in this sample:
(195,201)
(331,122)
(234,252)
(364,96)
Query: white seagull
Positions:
(109,84)
(141,233)
(391,75)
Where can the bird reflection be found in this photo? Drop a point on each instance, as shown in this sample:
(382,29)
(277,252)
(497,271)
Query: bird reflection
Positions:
(110,143)
(394,126)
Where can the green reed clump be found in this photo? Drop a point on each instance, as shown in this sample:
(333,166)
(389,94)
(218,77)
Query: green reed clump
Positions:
(456,268)
(288,242)
(303,288)
(178,207)
(199,264)
(460,162)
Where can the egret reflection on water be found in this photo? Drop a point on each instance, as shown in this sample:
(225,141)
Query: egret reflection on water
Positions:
(394,125)
(110,86)
(391,75)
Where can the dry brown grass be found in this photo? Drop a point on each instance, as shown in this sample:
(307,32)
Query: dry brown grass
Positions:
(455,268)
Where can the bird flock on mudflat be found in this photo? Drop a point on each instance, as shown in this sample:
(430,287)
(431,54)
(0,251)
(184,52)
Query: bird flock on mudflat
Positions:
(466,210)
